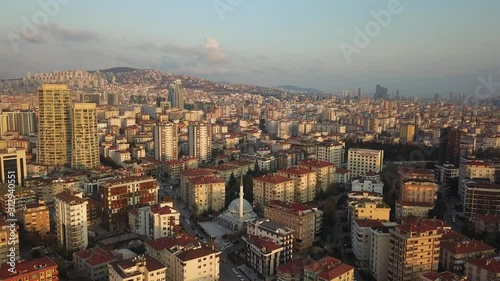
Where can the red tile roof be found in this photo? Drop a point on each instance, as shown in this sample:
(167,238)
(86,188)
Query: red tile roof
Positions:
(196,172)
(290,207)
(196,253)
(26,268)
(463,247)
(443,276)
(206,180)
(95,256)
(336,271)
(296,266)
(451,235)
(322,263)
(273,178)
(489,264)
(296,171)
(488,218)
(419,227)
(169,242)
(316,163)
(263,243)
(165,210)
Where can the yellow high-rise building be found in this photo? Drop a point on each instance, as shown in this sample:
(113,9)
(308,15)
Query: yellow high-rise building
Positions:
(84,139)
(414,251)
(54,125)
(406,132)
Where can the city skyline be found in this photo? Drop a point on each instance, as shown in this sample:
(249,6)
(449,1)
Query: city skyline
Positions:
(419,50)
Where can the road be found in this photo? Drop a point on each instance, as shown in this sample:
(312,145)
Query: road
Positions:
(450,211)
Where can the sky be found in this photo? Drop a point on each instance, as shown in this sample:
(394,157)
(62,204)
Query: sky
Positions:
(417,47)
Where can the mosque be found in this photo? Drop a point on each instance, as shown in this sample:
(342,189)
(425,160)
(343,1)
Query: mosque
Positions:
(237,213)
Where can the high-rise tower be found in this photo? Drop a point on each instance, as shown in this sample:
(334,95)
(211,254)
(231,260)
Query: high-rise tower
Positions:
(176,94)
(166,142)
(200,141)
(84,139)
(54,129)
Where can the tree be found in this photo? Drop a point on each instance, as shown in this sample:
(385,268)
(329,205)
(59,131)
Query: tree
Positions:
(439,208)
(231,190)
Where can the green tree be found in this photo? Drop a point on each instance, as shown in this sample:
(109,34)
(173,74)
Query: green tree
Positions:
(439,208)
(232,189)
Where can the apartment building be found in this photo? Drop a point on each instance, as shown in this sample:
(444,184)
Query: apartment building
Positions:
(328,269)
(368,209)
(474,169)
(165,250)
(13,166)
(360,238)
(446,172)
(294,270)
(84,139)
(412,210)
(305,183)
(23,197)
(71,220)
(197,263)
(155,221)
(454,254)
(325,173)
(37,269)
(36,217)
(54,125)
(279,234)
(9,238)
(121,195)
(92,264)
(419,191)
(139,268)
(481,198)
(360,161)
(188,174)
(200,141)
(489,223)
(367,185)
(263,254)
(299,217)
(272,187)
(483,269)
(414,250)
(166,142)
(379,250)
(406,132)
(207,194)
(332,152)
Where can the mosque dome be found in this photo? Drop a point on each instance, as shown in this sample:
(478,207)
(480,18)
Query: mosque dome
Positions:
(234,207)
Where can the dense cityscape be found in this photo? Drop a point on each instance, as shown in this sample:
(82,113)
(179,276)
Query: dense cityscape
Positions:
(232,140)
(125,173)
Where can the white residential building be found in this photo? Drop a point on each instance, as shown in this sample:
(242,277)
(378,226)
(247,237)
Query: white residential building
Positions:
(360,161)
(71,220)
(155,221)
(367,185)
(166,142)
(380,242)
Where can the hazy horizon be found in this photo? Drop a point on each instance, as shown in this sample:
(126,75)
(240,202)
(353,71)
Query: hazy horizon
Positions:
(421,49)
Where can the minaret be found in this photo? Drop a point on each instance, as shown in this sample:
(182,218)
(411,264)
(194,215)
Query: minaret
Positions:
(241,197)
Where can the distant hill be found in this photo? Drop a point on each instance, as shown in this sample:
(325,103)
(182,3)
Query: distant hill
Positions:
(299,89)
(119,69)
